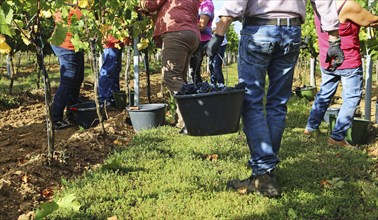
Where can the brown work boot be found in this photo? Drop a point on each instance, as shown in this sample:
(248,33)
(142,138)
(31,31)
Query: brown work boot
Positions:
(265,184)
(341,143)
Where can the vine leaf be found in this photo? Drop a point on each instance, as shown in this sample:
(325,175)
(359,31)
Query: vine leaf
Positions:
(4,47)
(69,201)
(59,35)
(4,28)
(46,209)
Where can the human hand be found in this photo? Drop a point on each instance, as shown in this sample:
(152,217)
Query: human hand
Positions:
(335,56)
(213,46)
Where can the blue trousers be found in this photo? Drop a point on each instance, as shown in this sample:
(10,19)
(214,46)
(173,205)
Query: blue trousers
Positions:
(352,91)
(109,74)
(272,51)
(71,78)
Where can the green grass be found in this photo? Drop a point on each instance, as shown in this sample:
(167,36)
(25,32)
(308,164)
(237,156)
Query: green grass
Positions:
(164,175)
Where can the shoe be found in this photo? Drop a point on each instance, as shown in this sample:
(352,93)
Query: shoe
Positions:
(62,124)
(264,184)
(307,132)
(183,131)
(341,143)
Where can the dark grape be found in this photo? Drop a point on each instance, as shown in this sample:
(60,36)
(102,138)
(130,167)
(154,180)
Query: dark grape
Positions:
(205,87)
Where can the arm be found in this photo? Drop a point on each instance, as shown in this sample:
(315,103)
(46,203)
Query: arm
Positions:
(354,12)
(333,35)
(217,39)
(223,25)
(327,12)
(204,19)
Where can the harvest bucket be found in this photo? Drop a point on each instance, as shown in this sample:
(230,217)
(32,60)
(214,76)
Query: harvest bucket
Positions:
(213,113)
(330,111)
(146,116)
(357,133)
(86,115)
(120,99)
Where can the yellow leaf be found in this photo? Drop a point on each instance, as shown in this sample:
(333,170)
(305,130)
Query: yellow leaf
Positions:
(25,36)
(2,38)
(85,3)
(45,14)
(143,44)
(4,47)
(117,142)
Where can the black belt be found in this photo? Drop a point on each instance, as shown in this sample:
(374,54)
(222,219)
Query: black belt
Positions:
(272,21)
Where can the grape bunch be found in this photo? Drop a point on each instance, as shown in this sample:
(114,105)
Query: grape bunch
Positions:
(205,87)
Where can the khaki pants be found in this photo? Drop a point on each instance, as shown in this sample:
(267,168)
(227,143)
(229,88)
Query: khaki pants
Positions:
(177,50)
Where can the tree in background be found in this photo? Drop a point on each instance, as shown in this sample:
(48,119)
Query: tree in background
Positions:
(232,45)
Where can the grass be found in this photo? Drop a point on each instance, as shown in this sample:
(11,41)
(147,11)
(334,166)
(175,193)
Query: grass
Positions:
(165,175)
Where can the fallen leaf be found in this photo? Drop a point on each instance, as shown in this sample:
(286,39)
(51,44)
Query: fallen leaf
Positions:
(325,184)
(28,216)
(18,172)
(335,182)
(112,218)
(21,161)
(47,193)
(24,178)
(242,190)
(211,157)
(117,142)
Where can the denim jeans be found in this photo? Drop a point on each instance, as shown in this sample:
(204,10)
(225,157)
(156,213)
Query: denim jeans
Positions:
(351,80)
(215,66)
(271,50)
(109,73)
(71,77)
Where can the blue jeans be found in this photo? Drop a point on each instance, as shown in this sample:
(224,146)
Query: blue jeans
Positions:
(215,66)
(272,50)
(109,73)
(351,80)
(71,77)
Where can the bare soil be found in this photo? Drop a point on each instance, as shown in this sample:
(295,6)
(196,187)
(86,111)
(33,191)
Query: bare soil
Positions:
(28,178)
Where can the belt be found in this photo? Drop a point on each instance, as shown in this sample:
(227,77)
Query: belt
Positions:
(272,21)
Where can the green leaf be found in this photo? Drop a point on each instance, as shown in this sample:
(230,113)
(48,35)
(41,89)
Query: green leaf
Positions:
(59,35)
(4,25)
(69,202)
(46,209)
(336,182)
